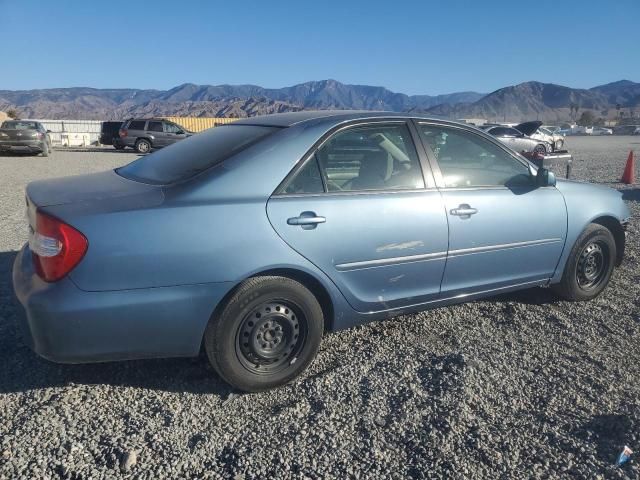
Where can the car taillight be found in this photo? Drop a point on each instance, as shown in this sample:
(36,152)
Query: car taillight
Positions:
(56,247)
(123,133)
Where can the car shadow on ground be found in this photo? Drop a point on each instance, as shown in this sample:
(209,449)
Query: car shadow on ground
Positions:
(530,296)
(22,370)
(631,194)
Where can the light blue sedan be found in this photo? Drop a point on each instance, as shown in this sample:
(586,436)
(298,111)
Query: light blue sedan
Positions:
(252,239)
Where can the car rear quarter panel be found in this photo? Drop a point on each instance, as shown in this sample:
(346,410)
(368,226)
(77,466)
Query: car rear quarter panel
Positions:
(212,229)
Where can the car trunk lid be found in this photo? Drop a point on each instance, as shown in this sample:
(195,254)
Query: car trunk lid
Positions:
(529,128)
(103,187)
(19,134)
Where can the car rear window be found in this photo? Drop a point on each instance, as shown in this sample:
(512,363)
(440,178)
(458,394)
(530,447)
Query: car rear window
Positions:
(187,158)
(20,125)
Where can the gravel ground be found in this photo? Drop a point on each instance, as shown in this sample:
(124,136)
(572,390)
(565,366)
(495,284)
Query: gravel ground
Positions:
(517,386)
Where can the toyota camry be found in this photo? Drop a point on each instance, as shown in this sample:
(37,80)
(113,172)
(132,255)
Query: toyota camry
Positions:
(252,239)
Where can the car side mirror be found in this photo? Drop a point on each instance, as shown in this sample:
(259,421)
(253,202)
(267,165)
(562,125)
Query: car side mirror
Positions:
(49,131)
(179,132)
(545,178)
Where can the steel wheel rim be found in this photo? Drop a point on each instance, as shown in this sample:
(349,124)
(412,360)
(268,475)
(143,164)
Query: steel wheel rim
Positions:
(271,337)
(144,147)
(540,149)
(593,265)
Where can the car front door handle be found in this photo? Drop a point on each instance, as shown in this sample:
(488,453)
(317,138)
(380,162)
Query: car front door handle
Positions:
(464,211)
(307,220)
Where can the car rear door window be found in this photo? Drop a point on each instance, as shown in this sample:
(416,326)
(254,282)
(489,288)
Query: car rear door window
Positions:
(306,180)
(137,125)
(467,159)
(373,157)
(155,127)
(187,158)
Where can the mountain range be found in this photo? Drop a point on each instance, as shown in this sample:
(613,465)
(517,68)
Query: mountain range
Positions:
(530,100)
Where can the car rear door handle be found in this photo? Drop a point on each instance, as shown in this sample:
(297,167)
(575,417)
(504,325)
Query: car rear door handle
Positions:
(464,211)
(306,220)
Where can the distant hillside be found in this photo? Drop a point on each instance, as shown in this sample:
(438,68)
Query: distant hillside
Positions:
(526,101)
(208,100)
(545,101)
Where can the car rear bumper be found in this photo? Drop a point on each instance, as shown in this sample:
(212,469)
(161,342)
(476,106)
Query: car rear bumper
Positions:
(65,324)
(21,146)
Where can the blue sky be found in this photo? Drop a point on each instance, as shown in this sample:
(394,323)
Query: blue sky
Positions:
(413,47)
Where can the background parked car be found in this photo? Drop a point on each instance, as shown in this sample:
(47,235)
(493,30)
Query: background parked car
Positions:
(518,141)
(109,134)
(536,131)
(144,134)
(626,130)
(601,131)
(24,136)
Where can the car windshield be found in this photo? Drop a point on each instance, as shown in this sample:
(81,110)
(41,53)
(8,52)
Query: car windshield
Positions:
(19,125)
(187,158)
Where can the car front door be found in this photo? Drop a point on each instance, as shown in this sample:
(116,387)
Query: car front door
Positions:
(503,230)
(364,209)
(173,132)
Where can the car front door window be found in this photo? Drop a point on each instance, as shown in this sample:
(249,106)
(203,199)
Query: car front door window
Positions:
(468,160)
(171,128)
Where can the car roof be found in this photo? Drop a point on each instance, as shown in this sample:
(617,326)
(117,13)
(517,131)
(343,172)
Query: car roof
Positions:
(330,116)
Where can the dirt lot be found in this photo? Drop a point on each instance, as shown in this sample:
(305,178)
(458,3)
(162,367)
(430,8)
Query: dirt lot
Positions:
(517,386)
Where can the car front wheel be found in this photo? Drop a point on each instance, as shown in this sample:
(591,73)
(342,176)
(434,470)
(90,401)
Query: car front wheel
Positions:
(589,266)
(267,333)
(540,149)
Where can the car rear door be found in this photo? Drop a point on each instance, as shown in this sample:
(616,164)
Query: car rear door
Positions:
(363,208)
(155,128)
(503,230)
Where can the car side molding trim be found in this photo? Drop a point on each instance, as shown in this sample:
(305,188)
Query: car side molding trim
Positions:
(504,246)
(382,262)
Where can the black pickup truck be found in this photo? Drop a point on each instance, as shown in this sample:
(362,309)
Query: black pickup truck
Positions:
(24,136)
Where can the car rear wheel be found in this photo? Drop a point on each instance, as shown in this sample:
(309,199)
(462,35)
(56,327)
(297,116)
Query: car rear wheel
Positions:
(143,146)
(266,334)
(589,266)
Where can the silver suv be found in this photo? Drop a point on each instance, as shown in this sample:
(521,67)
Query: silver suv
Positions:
(144,134)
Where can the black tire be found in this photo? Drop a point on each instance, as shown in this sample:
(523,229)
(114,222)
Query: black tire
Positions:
(45,150)
(118,146)
(589,266)
(143,145)
(266,334)
(540,149)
